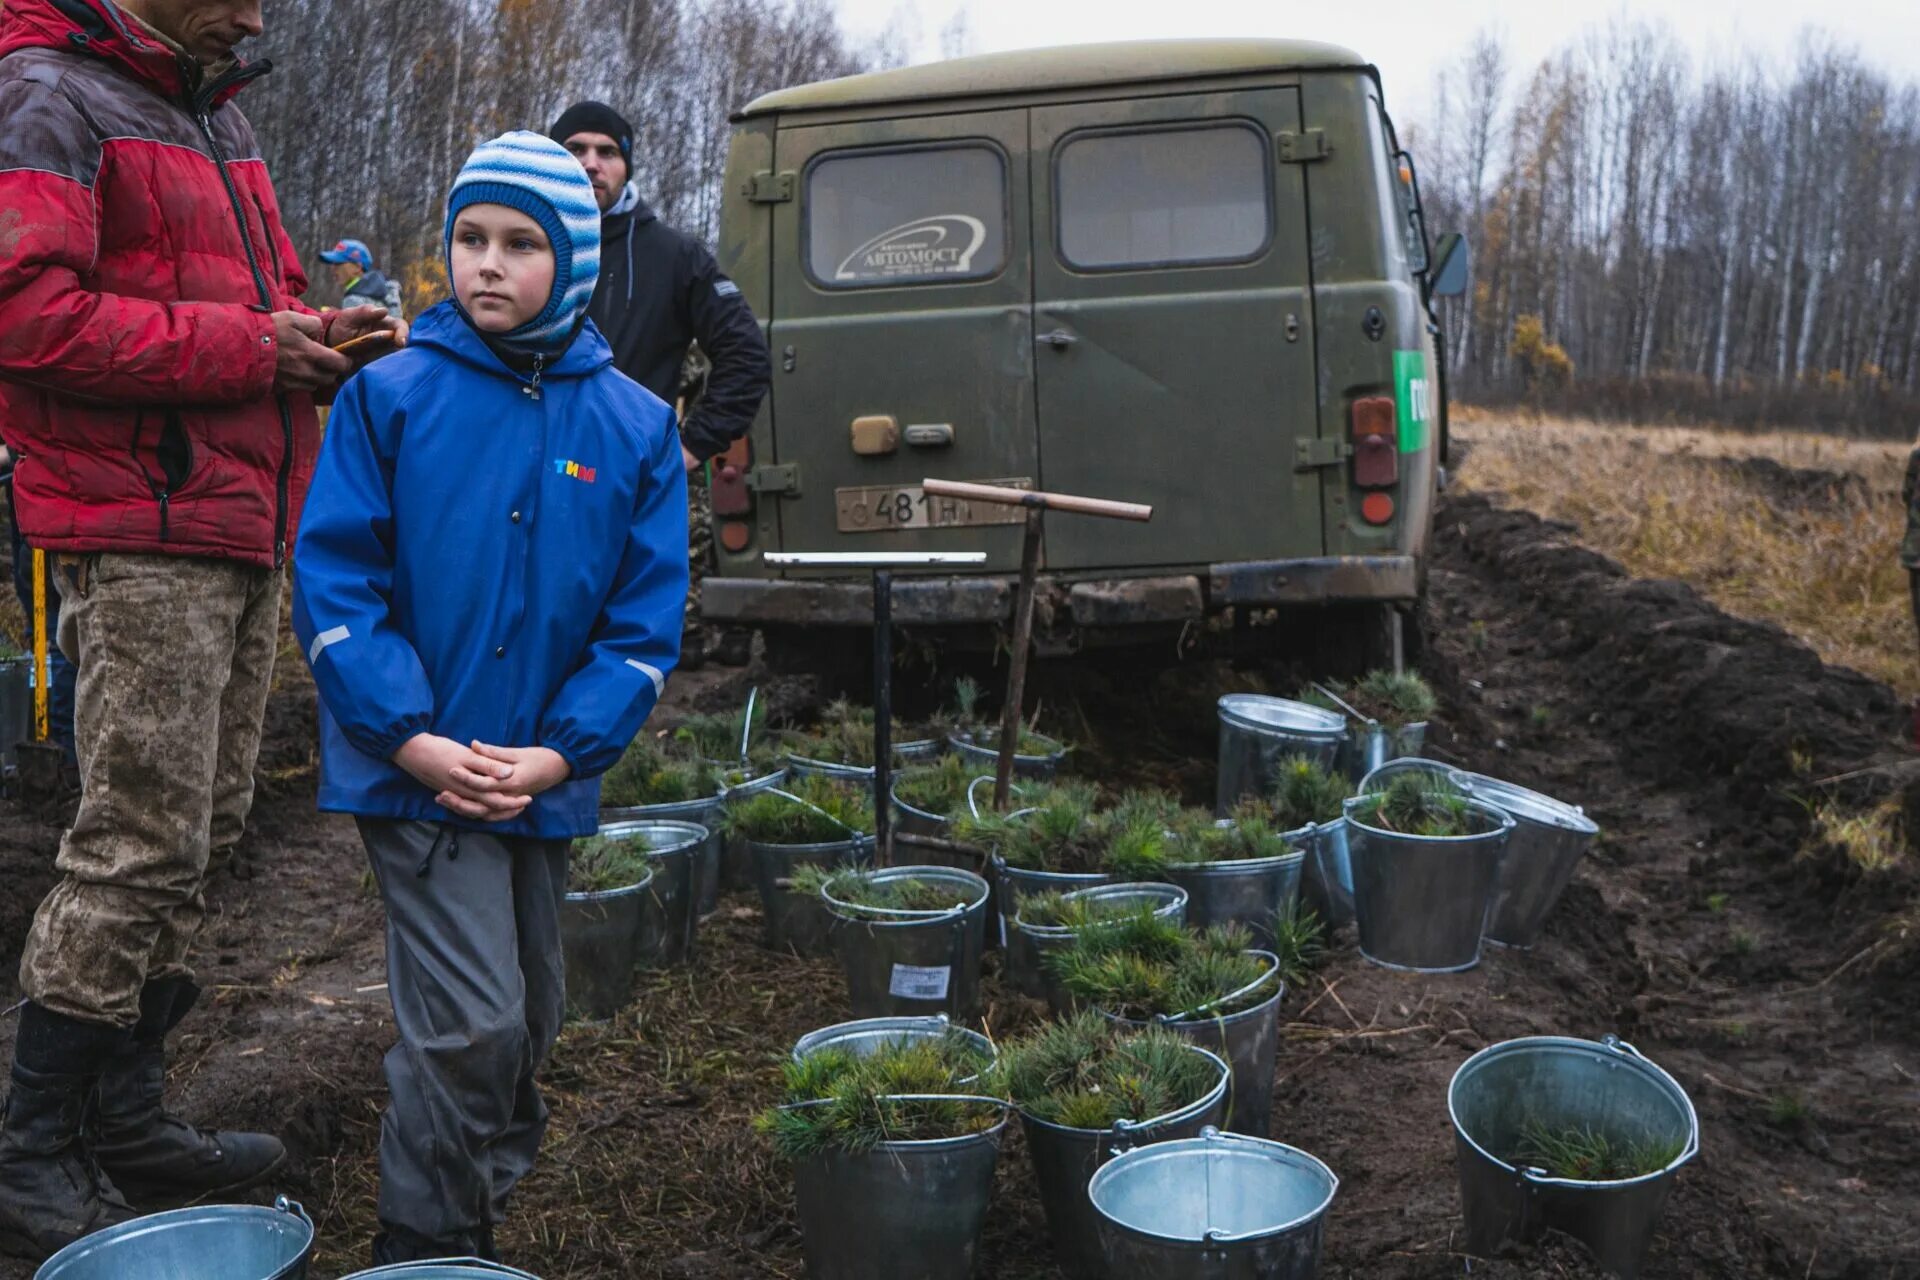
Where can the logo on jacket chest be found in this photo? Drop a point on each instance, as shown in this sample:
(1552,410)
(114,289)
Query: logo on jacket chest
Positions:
(575,470)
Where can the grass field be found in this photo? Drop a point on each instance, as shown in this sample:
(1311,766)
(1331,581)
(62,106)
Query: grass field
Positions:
(1818,559)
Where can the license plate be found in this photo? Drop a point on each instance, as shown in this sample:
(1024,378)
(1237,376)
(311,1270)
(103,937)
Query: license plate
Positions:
(886,508)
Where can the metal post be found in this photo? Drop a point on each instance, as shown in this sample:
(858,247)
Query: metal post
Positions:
(1010,714)
(883,716)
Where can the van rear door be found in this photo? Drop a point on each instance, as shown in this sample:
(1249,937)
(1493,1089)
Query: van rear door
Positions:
(902,292)
(1174,327)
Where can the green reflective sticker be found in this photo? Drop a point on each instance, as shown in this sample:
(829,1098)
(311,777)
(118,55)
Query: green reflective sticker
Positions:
(1413,399)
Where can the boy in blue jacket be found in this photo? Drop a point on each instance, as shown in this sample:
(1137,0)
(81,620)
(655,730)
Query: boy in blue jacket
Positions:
(488,586)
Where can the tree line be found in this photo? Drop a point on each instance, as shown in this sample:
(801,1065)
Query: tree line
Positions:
(1738,242)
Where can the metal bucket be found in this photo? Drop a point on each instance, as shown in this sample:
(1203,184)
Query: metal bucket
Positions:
(674,850)
(602,936)
(864,1037)
(1549,839)
(706,812)
(16,707)
(1371,744)
(903,1209)
(799,921)
(1215,1207)
(1421,902)
(207,1242)
(1562,1082)
(444,1269)
(910,822)
(1250,892)
(904,962)
(1377,778)
(1257,732)
(917,751)
(1039,767)
(1028,944)
(736,863)
(1065,1158)
(1013,883)
(1250,1042)
(1326,879)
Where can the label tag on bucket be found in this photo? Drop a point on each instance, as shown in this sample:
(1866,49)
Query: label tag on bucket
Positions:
(920,982)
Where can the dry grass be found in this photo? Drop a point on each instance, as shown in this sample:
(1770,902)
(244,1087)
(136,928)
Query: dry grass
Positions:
(1873,840)
(1825,567)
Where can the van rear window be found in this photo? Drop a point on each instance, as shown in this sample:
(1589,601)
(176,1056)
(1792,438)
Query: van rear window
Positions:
(897,217)
(1163,197)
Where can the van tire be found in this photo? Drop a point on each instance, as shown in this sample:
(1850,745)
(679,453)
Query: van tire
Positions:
(840,658)
(1353,639)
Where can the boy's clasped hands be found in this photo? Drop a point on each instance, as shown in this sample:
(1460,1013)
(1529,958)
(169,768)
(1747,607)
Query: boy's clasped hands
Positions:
(481,782)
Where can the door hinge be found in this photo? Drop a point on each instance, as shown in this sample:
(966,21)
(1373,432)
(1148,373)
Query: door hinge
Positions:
(1299,148)
(1314,452)
(783,480)
(768,187)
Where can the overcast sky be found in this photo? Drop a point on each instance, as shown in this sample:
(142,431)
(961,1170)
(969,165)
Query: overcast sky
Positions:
(1408,39)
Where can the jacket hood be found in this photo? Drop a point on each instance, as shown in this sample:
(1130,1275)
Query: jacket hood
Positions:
(629,207)
(443,328)
(97,28)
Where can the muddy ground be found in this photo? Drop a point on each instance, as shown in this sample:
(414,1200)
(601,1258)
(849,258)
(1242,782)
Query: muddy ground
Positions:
(1776,987)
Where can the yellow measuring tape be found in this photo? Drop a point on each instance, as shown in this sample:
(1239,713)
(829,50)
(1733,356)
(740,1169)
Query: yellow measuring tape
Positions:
(39,645)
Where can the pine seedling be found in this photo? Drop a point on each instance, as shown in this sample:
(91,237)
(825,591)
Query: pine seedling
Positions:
(1421,804)
(1087,1073)
(1306,794)
(832,811)
(601,863)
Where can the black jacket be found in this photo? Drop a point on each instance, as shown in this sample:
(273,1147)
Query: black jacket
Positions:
(661,290)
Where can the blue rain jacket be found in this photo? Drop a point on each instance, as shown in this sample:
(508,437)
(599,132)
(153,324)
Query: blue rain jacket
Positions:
(478,561)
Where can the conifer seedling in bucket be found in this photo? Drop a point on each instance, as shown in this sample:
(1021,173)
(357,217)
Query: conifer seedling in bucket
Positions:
(603,924)
(816,820)
(1311,798)
(1425,858)
(663,780)
(909,938)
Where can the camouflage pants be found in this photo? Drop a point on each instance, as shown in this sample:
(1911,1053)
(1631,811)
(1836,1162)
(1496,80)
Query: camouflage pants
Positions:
(699,553)
(175,657)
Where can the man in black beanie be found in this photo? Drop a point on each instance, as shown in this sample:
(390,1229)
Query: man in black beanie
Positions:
(660,290)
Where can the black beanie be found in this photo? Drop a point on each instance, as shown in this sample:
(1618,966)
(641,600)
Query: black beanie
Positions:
(595,117)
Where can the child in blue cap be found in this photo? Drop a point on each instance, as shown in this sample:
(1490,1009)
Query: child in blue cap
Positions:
(488,586)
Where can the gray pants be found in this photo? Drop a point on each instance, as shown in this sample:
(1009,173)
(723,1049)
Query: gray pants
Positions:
(478,985)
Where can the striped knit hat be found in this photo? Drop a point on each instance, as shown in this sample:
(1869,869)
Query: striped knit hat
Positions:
(541,179)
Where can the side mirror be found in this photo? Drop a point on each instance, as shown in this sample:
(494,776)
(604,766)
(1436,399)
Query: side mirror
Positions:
(1452,262)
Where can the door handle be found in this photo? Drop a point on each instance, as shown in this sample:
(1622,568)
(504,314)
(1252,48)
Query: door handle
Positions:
(1059,339)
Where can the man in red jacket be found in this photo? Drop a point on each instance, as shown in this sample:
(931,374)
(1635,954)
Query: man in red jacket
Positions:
(157,375)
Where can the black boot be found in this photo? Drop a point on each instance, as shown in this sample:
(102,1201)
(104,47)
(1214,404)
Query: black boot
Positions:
(396,1243)
(52,1191)
(156,1158)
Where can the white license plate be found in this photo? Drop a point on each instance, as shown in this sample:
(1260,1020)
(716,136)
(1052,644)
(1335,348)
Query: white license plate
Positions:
(885,508)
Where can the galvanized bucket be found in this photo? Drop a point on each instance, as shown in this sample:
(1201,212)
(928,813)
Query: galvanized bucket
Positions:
(1421,902)
(911,824)
(1326,879)
(1257,732)
(1250,892)
(16,707)
(1377,778)
(674,850)
(207,1242)
(1013,883)
(1371,744)
(905,962)
(1549,839)
(1041,767)
(903,1209)
(1608,1088)
(1029,944)
(736,863)
(1065,1158)
(706,812)
(444,1269)
(917,751)
(602,936)
(799,921)
(1249,1040)
(864,1037)
(1215,1207)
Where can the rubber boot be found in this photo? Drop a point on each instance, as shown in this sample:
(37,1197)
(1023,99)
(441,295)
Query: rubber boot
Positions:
(52,1190)
(154,1157)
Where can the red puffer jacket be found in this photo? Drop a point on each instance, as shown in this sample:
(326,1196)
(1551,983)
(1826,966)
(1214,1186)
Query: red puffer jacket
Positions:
(141,252)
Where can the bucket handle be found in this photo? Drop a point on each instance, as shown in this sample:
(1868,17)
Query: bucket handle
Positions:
(283,1205)
(1344,704)
(808,804)
(975,1098)
(973,789)
(1536,1178)
(746,730)
(1211,1135)
(1231,996)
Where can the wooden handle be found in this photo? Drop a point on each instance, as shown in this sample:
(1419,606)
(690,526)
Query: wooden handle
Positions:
(1035,498)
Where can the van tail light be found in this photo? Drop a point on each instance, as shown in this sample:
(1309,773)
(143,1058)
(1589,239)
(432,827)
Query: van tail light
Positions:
(1376,456)
(730,495)
(735,535)
(1377,508)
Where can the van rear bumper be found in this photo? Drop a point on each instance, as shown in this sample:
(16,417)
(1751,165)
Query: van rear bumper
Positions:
(972,600)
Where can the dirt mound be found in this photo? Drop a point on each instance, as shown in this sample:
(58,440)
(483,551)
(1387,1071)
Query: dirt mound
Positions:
(1794,488)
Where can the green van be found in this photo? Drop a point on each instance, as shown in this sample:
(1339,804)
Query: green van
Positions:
(1186,273)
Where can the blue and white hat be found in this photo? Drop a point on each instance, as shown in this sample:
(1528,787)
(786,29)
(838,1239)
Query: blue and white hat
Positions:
(541,179)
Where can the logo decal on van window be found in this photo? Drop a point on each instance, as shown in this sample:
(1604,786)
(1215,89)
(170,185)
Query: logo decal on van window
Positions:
(941,245)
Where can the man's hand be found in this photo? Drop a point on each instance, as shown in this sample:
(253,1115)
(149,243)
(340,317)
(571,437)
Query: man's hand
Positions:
(532,770)
(304,363)
(686,456)
(357,322)
(464,782)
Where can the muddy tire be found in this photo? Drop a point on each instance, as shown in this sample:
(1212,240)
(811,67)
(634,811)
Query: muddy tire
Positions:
(841,658)
(1353,639)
